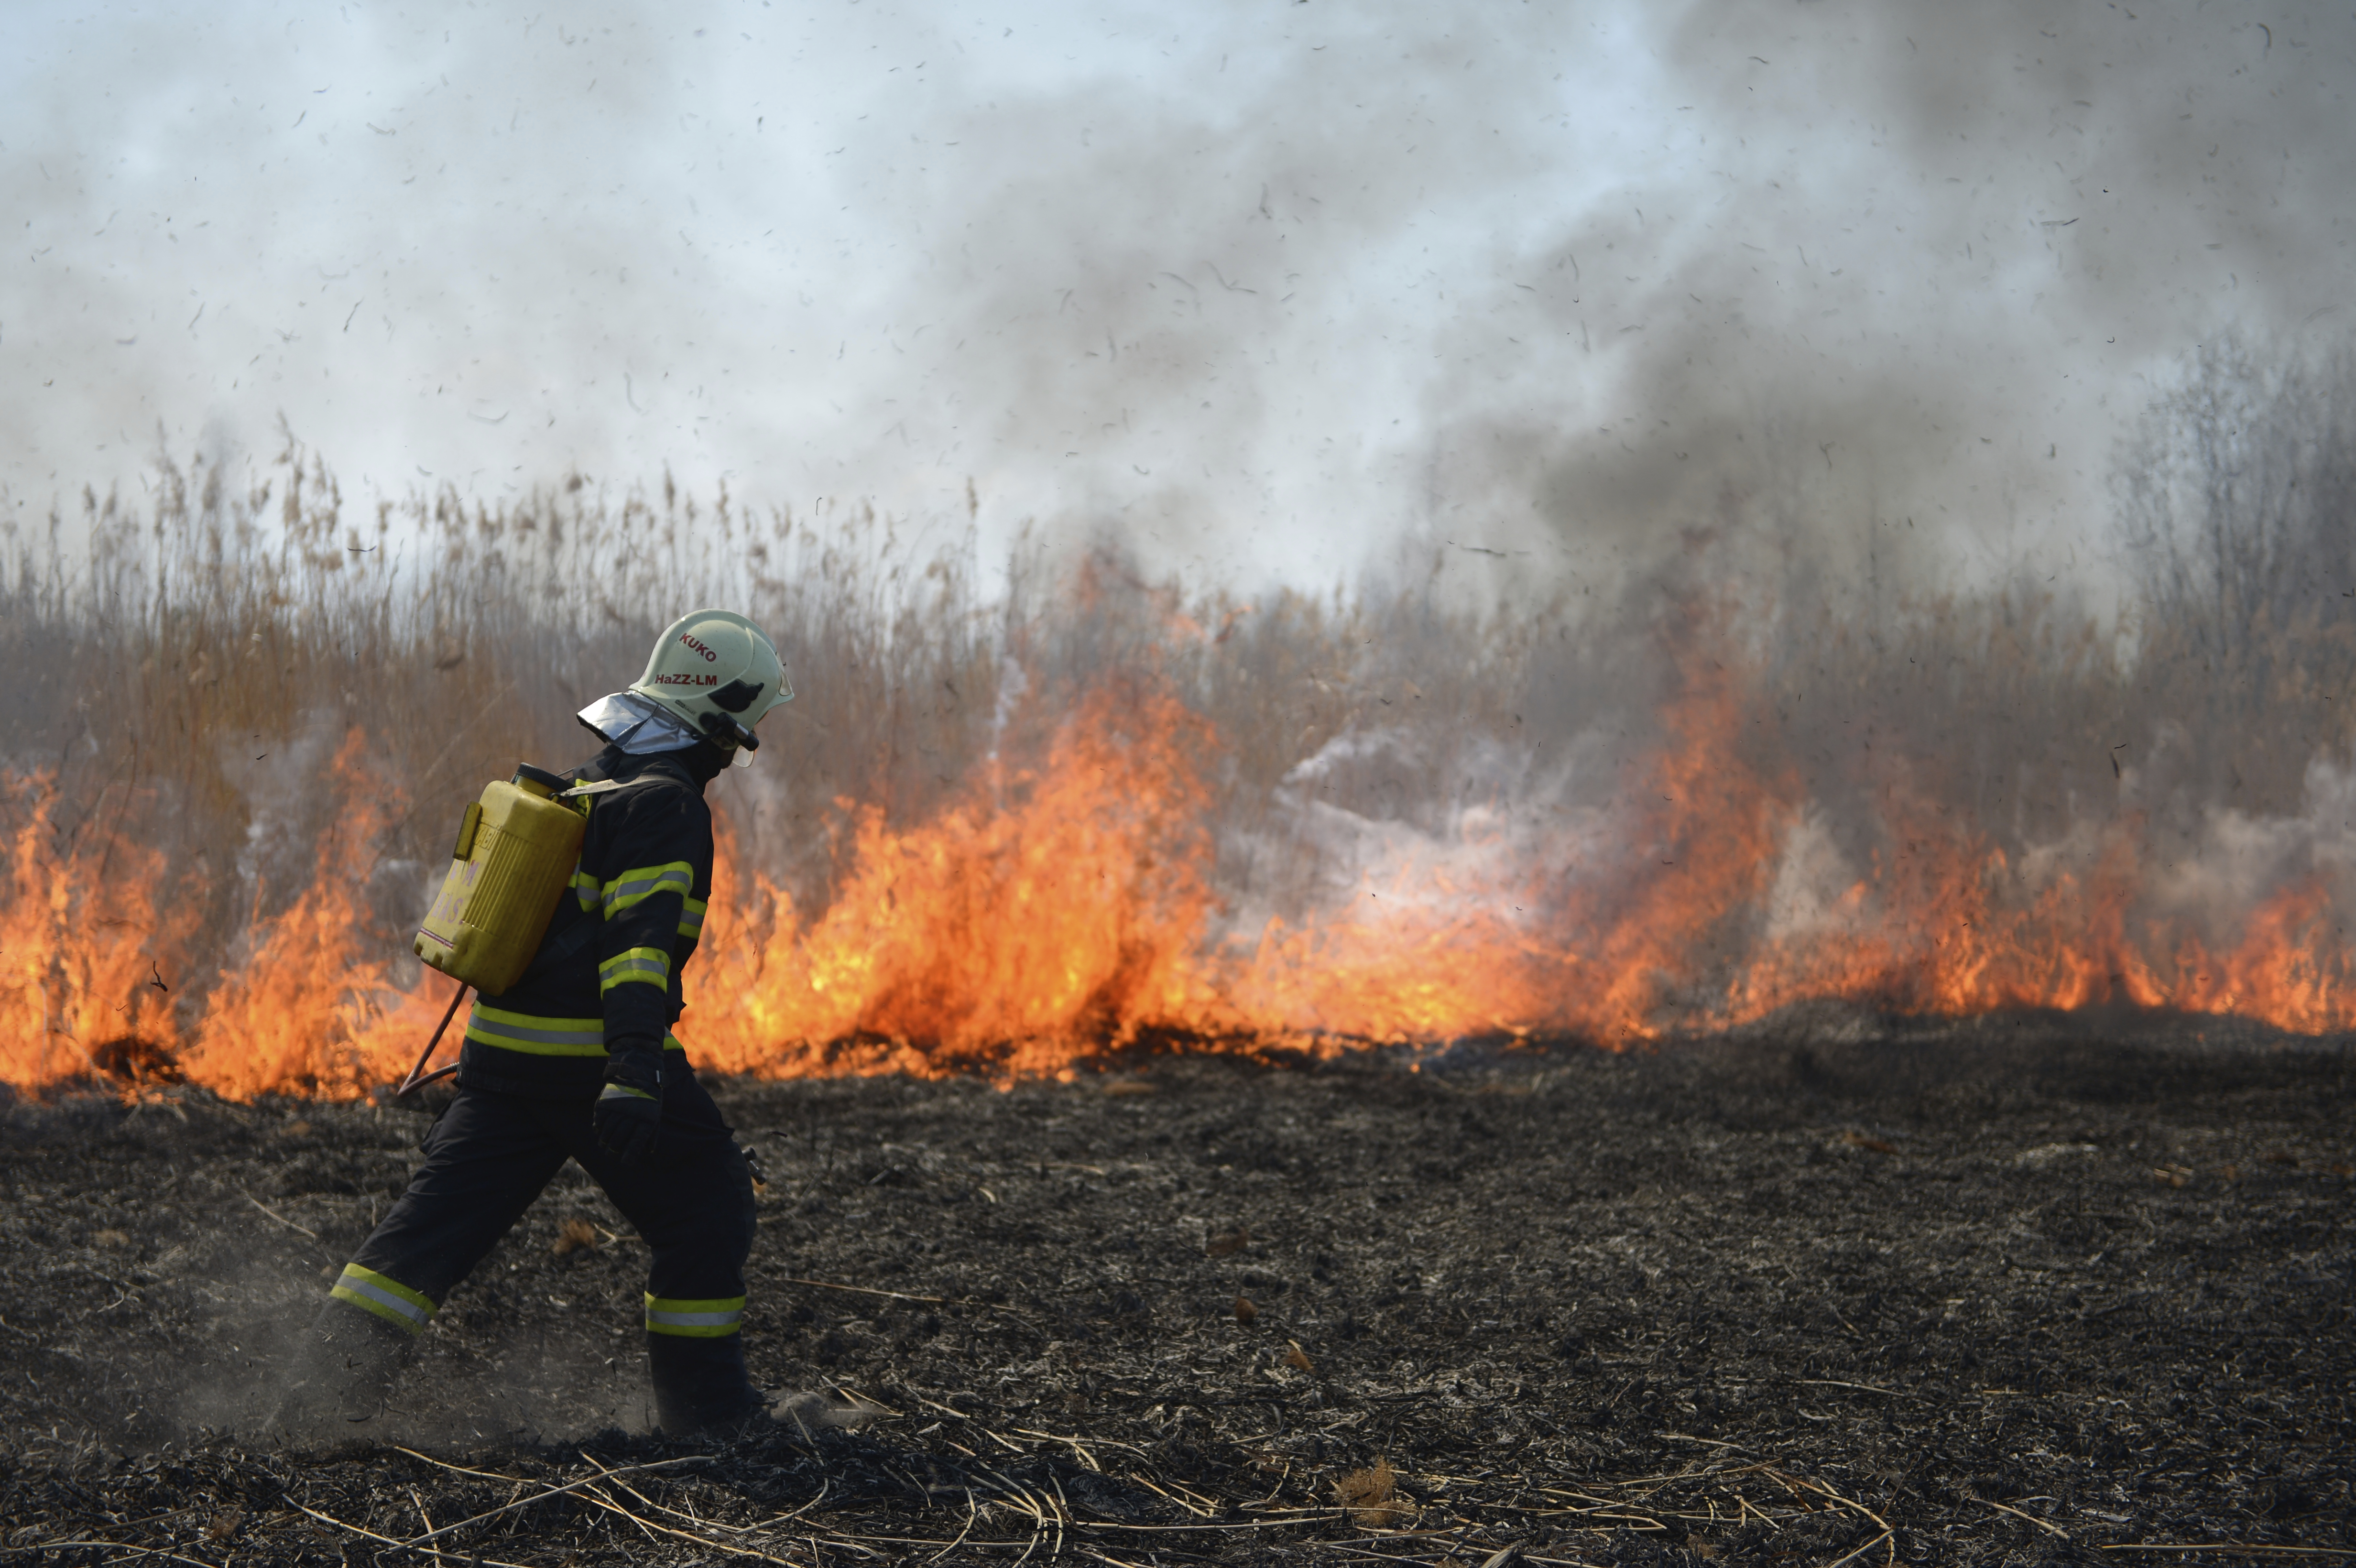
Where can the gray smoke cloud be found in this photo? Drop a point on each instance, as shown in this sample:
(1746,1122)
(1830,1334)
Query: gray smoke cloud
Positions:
(1907,269)
(1263,289)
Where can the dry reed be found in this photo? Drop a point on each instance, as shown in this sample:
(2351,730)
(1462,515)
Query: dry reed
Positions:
(189,663)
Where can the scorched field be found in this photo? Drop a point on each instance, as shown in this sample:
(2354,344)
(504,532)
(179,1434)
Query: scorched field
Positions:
(2020,1290)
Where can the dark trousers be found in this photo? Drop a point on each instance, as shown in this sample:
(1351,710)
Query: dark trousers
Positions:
(490,1155)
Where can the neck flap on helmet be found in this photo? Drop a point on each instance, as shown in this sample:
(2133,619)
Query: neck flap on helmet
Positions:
(636,725)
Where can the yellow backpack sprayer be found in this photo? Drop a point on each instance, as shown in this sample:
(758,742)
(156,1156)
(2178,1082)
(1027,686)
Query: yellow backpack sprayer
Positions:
(516,850)
(515,853)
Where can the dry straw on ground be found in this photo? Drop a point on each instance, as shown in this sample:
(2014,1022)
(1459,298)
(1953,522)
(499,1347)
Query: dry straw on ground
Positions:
(575,1236)
(1370,1496)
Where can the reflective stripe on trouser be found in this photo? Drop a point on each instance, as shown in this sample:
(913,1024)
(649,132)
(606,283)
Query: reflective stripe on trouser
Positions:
(490,1154)
(384,1296)
(695,1319)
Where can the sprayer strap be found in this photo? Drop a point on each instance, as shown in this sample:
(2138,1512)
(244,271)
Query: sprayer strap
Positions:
(583,931)
(606,787)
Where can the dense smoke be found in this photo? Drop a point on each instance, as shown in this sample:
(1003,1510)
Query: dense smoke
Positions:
(1276,291)
(1925,260)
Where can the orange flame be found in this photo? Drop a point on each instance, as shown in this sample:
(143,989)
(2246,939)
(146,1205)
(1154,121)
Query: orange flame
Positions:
(1074,914)
(1056,912)
(311,1005)
(78,950)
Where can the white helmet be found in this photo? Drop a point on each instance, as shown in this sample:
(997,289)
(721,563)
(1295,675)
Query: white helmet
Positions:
(714,671)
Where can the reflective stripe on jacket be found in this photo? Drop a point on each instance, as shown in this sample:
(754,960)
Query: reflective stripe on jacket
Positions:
(643,880)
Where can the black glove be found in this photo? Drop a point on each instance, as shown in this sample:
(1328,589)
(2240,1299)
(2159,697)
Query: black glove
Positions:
(628,1118)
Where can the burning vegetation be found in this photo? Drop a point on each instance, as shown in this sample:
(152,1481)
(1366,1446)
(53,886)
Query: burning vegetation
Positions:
(1091,814)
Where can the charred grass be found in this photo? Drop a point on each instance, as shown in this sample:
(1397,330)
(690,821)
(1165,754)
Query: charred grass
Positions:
(2020,1291)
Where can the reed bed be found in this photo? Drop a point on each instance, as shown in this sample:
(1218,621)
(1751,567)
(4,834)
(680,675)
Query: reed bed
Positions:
(192,659)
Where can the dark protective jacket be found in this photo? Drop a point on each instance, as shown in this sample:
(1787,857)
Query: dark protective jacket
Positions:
(613,983)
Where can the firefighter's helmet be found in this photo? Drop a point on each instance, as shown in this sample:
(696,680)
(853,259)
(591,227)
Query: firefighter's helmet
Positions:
(715,671)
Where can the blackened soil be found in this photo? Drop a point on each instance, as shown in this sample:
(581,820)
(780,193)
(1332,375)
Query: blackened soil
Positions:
(2008,1292)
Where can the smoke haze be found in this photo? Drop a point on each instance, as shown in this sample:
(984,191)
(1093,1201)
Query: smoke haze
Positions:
(1265,290)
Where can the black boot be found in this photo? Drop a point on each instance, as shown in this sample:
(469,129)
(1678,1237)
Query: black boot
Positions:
(700,1384)
(343,1371)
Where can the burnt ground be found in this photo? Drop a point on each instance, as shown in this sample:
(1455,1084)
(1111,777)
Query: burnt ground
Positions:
(2020,1291)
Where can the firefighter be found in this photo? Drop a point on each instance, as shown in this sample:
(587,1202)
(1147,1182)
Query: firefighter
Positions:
(577,1060)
